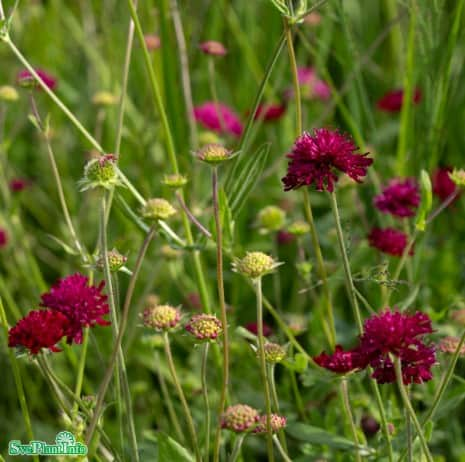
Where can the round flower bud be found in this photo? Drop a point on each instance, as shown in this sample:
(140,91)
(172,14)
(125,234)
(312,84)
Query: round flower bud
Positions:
(299,227)
(277,423)
(204,327)
(175,180)
(450,344)
(459,316)
(161,317)
(274,353)
(115,261)
(100,172)
(370,426)
(239,418)
(458,176)
(158,209)
(213,48)
(8,93)
(213,154)
(271,218)
(255,265)
(104,98)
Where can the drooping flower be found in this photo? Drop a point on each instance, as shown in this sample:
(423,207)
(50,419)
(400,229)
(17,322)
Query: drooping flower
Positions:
(392,100)
(389,240)
(443,186)
(3,238)
(270,112)
(26,79)
(83,304)
(221,119)
(213,48)
(315,159)
(18,184)
(277,423)
(342,361)
(239,418)
(253,328)
(204,327)
(399,198)
(39,329)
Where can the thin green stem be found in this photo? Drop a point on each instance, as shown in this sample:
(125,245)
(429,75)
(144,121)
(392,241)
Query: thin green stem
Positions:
(81,367)
(224,318)
(182,397)
(237,447)
(206,399)
(18,380)
(350,417)
(263,368)
(281,450)
(410,410)
(274,395)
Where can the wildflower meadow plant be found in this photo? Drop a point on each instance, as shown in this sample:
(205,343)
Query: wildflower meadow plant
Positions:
(222,242)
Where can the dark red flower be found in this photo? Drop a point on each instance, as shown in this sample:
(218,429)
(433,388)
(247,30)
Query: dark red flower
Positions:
(399,198)
(18,184)
(270,112)
(389,240)
(316,158)
(26,79)
(253,327)
(342,361)
(209,116)
(84,305)
(3,238)
(392,100)
(39,329)
(443,186)
(284,238)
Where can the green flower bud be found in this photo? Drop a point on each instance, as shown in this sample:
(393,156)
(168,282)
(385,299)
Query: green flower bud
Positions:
(100,172)
(299,227)
(157,209)
(115,261)
(271,218)
(213,154)
(274,353)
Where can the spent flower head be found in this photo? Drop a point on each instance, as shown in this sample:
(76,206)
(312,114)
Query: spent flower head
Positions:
(274,353)
(255,265)
(161,317)
(100,172)
(239,418)
(157,209)
(204,327)
(271,218)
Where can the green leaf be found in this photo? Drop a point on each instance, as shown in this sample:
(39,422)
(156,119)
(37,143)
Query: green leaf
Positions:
(170,450)
(426,201)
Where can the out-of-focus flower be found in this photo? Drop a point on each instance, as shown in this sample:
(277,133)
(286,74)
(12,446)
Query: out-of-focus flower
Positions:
(270,112)
(389,240)
(459,316)
(458,176)
(204,327)
(255,265)
(274,353)
(104,98)
(157,209)
(392,100)
(18,184)
(194,301)
(175,180)
(221,119)
(277,423)
(3,238)
(239,418)
(399,198)
(316,158)
(271,218)
(342,361)
(83,304)
(311,86)
(450,345)
(161,317)
(253,328)
(284,237)
(312,19)
(370,426)
(39,329)
(299,228)
(443,186)
(26,79)
(152,42)
(8,93)
(213,48)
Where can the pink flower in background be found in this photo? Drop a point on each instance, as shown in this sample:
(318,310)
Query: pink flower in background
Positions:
(312,87)
(26,79)
(152,42)
(209,116)
(213,48)
(316,158)
(443,186)
(392,100)
(284,238)
(253,327)
(18,184)
(84,305)
(270,112)
(399,198)
(3,238)
(389,240)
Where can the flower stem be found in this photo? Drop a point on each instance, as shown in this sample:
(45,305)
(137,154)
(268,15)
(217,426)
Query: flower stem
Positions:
(18,380)
(237,447)
(281,449)
(224,319)
(263,368)
(274,395)
(81,368)
(206,400)
(185,406)
(350,417)
(409,409)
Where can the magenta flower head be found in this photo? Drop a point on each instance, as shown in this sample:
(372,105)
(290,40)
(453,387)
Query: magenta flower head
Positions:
(398,334)
(221,119)
(270,112)
(204,327)
(392,100)
(316,158)
(443,186)
(389,240)
(27,80)
(311,86)
(341,361)
(83,304)
(3,238)
(399,198)
(213,48)
(277,423)
(18,184)
(39,329)
(239,418)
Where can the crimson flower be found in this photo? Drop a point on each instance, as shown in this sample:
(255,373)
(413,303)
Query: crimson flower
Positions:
(26,79)
(270,112)
(82,304)
(39,329)
(18,184)
(316,158)
(219,119)
(399,198)
(342,361)
(3,238)
(443,186)
(392,100)
(253,327)
(389,240)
